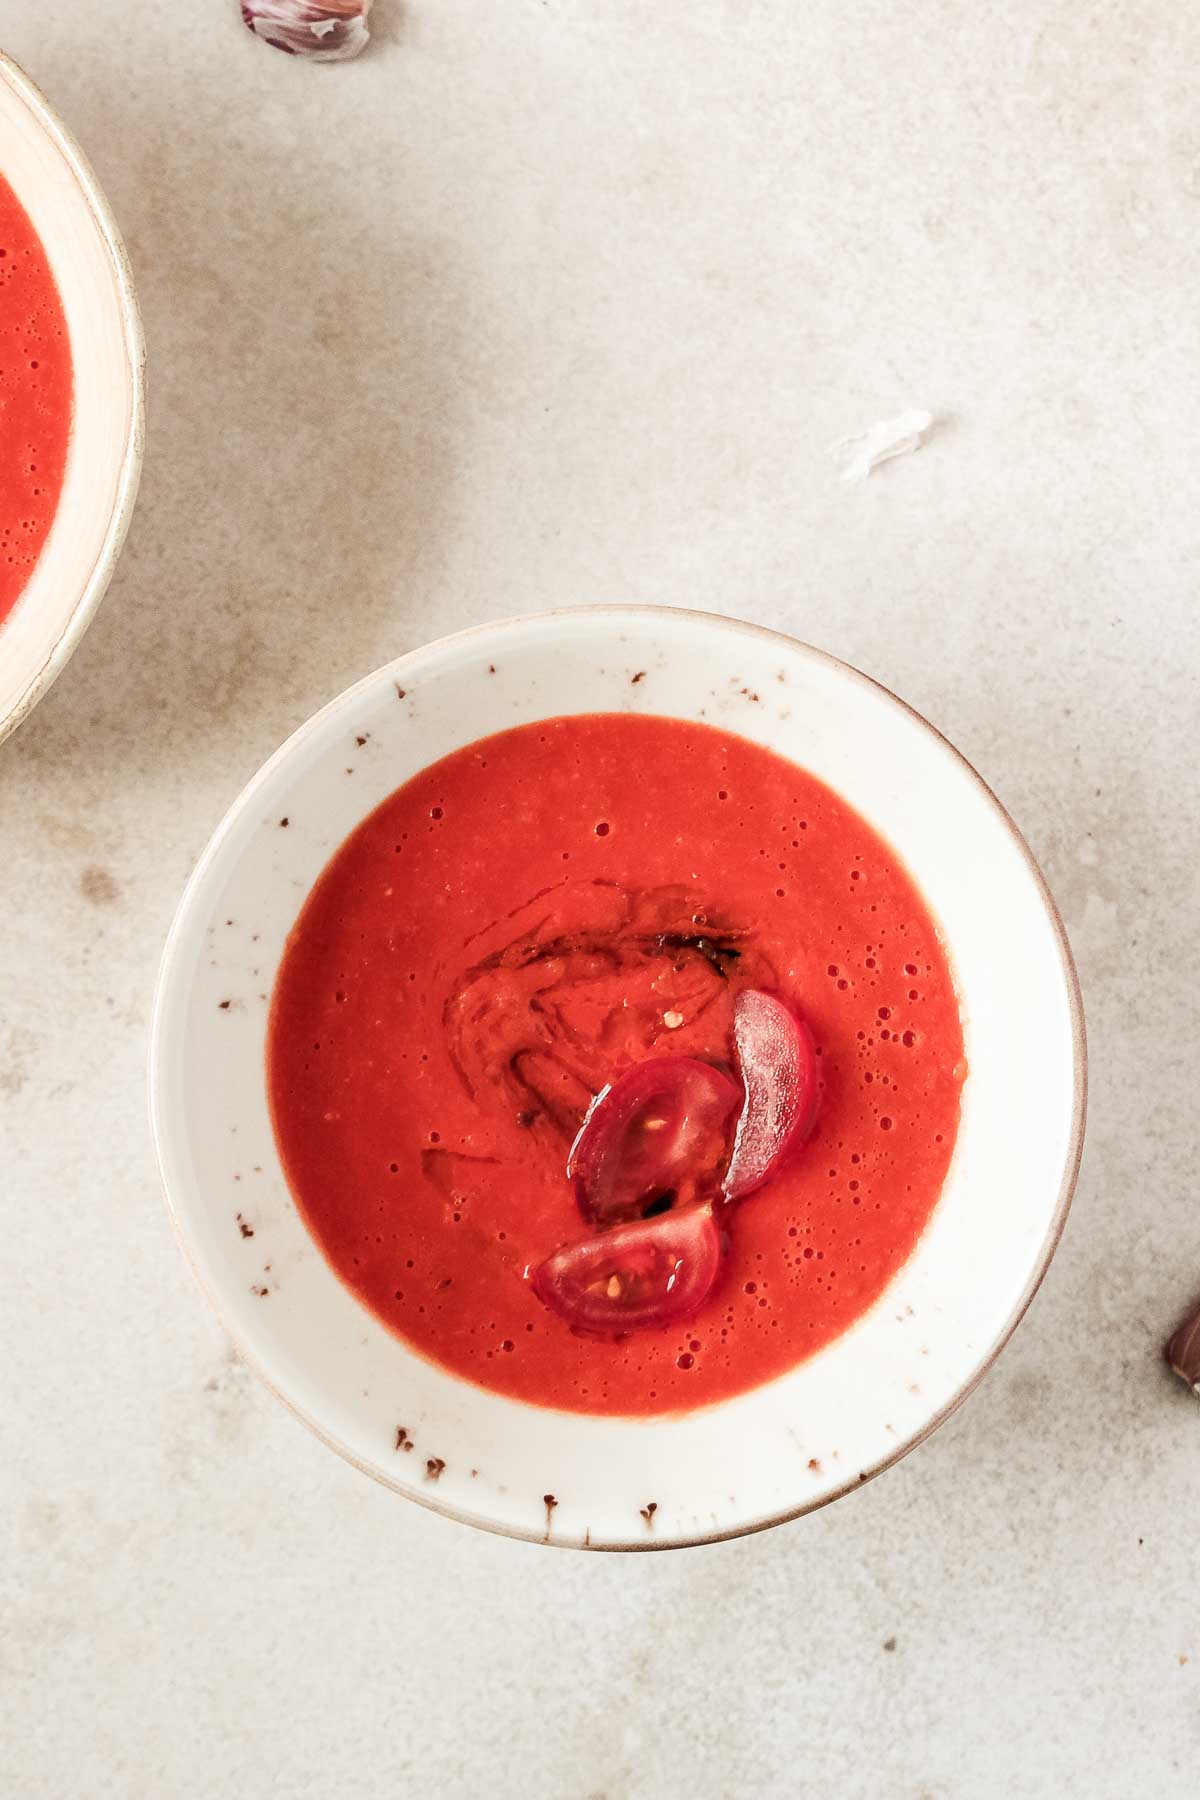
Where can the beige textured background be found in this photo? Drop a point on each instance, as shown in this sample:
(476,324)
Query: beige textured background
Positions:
(546,301)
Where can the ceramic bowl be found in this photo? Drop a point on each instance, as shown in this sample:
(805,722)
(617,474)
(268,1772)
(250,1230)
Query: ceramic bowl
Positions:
(828,1425)
(50,177)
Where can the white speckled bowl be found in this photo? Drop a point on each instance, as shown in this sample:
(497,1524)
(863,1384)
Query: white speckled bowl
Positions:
(748,1462)
(50,177)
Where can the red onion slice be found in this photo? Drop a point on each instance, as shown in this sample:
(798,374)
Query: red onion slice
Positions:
(777,1060)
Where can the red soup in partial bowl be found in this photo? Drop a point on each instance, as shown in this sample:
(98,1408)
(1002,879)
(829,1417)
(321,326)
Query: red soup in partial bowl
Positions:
(70,395)
(35,397)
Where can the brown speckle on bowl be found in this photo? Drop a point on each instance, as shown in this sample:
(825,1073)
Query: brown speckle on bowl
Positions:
(433,1468)
(246,1229)
(403,1441)
(640,676)
(549,1502)
(400,692)
(283,824)
(648,1511)
(814,1464)
(889,1643)
(361,738)
(224,1005)
(261,1292)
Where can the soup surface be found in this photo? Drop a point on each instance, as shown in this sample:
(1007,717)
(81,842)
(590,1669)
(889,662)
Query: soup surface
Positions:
(35,398)
(519,924)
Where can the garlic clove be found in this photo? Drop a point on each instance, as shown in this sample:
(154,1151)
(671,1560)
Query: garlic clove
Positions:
(323,30)
(1183,1351)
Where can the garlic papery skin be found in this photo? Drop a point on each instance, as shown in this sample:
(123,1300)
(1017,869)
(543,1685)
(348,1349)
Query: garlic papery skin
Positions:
(323,30)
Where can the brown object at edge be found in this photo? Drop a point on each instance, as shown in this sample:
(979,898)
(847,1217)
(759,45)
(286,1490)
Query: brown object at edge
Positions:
(1183,1349)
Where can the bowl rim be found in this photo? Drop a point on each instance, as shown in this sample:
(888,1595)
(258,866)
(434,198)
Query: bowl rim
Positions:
(92,588)
(1055,1228)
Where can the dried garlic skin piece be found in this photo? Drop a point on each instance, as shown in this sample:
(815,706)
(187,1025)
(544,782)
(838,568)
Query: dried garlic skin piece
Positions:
(1183,1351)
(880,442)
(323,30)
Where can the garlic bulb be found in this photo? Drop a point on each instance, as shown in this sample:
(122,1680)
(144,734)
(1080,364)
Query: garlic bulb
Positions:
(325,30)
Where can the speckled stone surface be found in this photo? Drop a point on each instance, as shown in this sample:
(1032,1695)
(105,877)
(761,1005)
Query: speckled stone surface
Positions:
(558,302)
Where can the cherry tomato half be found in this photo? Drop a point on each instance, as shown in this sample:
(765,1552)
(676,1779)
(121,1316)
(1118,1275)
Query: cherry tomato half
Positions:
(777,1060)
(662,1129)
(654,1272)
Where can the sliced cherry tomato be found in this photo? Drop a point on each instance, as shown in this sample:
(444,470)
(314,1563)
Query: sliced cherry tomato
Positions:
(654,1272)
(777,1060)
(662,1129)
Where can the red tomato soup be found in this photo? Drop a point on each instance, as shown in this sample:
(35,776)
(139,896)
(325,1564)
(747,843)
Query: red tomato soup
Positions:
(35,398)
(515,927)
